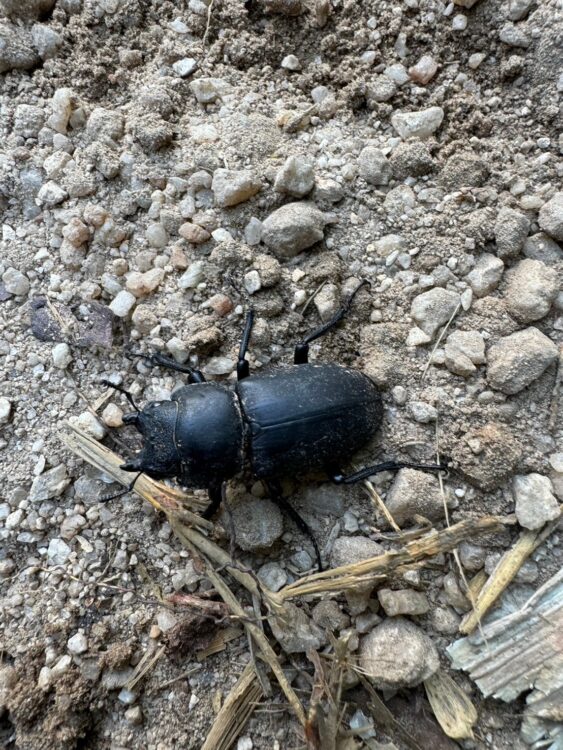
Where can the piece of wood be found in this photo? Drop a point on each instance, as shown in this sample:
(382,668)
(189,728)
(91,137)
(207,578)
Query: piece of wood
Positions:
(455,713)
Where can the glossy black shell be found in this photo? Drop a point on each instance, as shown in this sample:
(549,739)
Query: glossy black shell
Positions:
(293,421)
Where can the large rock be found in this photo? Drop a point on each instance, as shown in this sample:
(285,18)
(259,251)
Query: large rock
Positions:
(258,523)
(293,228)
(17,51)
(486,455)
(51,483)
(398,654)
(517,360)
(28,9)
(551,217)
(464,351)
(531,290)
(534,500)
(431,310)
(373,166)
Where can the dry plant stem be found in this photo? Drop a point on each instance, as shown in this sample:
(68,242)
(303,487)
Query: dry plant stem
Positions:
(432,543)
(554,407)
(378,502)
(504,573)
(157,494)
(235,712)
(438,341)
(260,639)
(148,661)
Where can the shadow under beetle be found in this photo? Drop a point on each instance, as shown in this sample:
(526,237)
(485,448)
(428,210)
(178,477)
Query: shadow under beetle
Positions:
(292,421)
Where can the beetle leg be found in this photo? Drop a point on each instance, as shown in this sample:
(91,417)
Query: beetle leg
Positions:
(243,368)
(160,360)
(125,392)
(301,355)
(366,472)
(215,492)
(122,492)
(276,496)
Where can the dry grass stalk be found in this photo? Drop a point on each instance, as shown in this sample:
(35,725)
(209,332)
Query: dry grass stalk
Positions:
(504,573)
(157,494)
(219,643)
(380,505)
(381,566)
(439,340)
(235,712)
(148,661)
(455,713)
(266,651)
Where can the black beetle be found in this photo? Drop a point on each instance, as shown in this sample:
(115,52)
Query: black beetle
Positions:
(293,421)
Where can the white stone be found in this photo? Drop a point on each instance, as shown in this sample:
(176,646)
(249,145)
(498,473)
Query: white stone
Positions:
(293,228)
(77,644)
(61,104)
(15,282)
(486,274)
(51,194)
(534,500)
(193,276)
(431,310)
(374,166)
(296,177)
(551,217)
(58,552)
(515,361)
(231,187)
(252,282)
(219,366)
(62,356)
(185,67)
(420,124)
(88,422)
(122,304)
(291,62)
(156,235)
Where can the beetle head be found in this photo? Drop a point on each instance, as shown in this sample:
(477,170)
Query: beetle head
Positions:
(159,456)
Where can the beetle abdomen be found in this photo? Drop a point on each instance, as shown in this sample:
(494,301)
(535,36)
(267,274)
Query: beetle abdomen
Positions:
(308,418)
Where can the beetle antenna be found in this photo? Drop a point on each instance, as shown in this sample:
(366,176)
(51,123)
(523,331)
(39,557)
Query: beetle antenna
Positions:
(125,392)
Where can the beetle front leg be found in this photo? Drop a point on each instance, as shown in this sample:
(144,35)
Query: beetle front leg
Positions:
(160,360)
(216,493)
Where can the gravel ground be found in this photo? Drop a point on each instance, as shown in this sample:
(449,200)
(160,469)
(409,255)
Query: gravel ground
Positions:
(164,166)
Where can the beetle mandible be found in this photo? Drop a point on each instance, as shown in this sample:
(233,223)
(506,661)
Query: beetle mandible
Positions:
(292,421)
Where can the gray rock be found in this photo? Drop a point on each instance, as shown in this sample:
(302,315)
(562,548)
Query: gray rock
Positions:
(551,217)
(327,301)
(258,524)
(511,230)
(420,124)
(58,552)
(540,246)
(373,166)
(518,9)
(16,48)
(46,40)
(273,576)
(415,493)
(208,90)
(517,360)
(431,310)
(293,228)
(328,615)
(28,10)
(534,500)
(324,498)
(513,36)
(471,556)
(50,484)
(381,89)
(295,631)
(398,654)
(531,290)
(464,169)
(15,282)
(485,276)
(51,194)
(411,159)
(464,351)
(77,644)
(231,187)
(445,620)
(422,412)
(327,191)
(403,602)
(453,593)
(296,177)
(62,356)
(351,549)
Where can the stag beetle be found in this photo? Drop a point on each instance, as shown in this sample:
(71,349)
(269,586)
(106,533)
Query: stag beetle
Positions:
(292,421)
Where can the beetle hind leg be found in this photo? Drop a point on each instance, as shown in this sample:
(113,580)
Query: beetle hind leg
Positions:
(160,360)
(301,355)
(216,492)
(276,496)
(368,471)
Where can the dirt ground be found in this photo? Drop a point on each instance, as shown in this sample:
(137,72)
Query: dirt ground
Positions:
(139,213)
